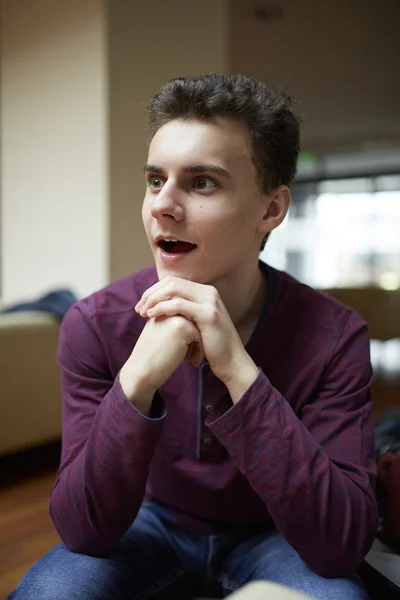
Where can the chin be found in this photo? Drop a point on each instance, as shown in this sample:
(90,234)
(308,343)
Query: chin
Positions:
(189,274)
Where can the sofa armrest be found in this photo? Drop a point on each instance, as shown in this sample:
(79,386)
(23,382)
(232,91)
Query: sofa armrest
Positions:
(30,397)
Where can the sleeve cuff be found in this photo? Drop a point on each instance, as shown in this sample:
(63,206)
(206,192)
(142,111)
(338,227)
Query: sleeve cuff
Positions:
(236,416)
(158,410)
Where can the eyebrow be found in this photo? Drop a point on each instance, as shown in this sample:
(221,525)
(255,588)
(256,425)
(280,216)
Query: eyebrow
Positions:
(200,168)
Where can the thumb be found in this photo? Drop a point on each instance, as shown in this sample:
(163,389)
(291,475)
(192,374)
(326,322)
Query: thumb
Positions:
(195,354)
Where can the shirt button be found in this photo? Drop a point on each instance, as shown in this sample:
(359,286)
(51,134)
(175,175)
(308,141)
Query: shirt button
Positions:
(209,408)
(207,441)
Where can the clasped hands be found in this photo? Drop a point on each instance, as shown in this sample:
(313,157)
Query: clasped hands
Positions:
(186,321)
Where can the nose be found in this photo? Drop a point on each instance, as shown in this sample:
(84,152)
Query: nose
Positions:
(167,203)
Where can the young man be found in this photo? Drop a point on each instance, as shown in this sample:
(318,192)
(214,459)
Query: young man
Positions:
(217,419)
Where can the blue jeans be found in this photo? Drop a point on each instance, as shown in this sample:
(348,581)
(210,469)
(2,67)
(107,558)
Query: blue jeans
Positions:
(158,559)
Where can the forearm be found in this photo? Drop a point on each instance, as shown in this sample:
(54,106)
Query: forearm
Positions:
(243,373)
(97,495)
(326,513)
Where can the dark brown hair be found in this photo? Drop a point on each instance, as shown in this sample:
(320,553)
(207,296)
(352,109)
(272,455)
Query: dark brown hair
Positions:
(273,126)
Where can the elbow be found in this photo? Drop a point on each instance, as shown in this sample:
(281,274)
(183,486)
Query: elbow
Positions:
(80,546)
(78,539)
(342,557)
(83,543)
(334,566)
(336,563)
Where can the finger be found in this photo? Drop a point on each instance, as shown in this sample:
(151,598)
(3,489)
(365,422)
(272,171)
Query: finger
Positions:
(169,283)
(159,294)
(189,353)
(175,289)
(198,355)
(168,288)
(195,354)
(146,295)
(179,306)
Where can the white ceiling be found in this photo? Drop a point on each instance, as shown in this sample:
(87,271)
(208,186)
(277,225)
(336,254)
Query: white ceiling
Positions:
(339,58)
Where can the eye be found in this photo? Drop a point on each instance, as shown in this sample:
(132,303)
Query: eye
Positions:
(204,183)
(155,182)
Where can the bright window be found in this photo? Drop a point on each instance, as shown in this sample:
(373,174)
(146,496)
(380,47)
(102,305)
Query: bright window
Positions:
(342,233)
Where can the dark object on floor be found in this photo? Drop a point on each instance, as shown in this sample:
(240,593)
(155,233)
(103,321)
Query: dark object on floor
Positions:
(30,463)
(380,573)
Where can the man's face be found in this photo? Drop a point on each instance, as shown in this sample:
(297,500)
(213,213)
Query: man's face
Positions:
(202,190)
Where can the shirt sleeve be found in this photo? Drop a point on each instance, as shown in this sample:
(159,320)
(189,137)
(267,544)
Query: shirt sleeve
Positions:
(107,446)
(316,471)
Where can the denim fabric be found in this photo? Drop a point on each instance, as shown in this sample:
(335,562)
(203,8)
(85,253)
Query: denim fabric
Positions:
(161,560)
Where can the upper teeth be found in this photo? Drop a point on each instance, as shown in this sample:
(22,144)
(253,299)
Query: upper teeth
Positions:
(167,240)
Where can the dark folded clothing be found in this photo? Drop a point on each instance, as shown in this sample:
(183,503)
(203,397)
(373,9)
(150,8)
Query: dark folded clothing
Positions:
(58,303)
(388,485)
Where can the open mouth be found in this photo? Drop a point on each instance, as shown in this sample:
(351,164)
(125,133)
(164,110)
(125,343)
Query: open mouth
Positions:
(176,246)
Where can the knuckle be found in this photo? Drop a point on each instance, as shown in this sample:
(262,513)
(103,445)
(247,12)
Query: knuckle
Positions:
(214,294)
(170,290)
(179,302)
(213,314)
(173,303)
(179,323)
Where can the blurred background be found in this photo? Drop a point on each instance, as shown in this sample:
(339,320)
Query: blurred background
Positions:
(74,76)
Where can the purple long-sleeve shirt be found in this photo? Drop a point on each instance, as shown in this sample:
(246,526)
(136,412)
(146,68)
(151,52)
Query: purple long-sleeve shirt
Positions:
(295,452)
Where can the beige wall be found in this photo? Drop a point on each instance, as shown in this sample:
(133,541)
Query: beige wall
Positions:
(54,128)
(150,42)
(341,61)
(74,78)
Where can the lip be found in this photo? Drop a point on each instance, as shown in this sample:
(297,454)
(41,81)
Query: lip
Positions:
(169,257)
(168,236)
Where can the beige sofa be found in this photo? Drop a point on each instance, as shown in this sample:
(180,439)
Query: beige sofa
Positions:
(30,397)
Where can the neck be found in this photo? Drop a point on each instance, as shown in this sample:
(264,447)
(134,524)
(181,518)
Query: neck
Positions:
(243,296)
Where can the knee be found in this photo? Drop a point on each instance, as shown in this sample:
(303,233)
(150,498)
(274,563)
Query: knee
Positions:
(61,575)
(49,588)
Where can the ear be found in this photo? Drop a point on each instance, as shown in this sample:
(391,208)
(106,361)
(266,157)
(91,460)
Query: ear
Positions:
(276,206)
